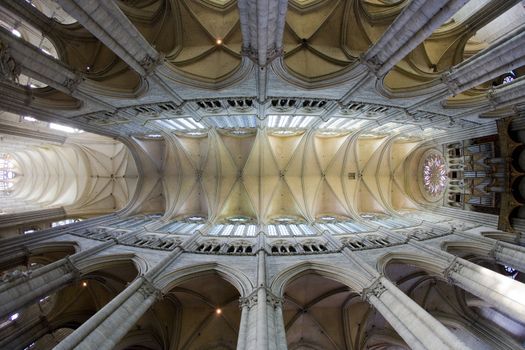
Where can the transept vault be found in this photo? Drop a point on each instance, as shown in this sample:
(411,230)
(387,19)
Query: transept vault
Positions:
(262,174)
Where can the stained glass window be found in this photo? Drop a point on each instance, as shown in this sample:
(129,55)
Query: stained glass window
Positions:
(510,271)
(509,77)
(7,174)
(435,174)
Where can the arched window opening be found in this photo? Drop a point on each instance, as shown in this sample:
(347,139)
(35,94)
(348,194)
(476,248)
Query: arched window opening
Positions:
(64,222)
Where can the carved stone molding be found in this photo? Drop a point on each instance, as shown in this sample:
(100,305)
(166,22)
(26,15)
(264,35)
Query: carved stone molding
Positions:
(9,68)
(454,267)
(451,83)
(252,299)
(249,301)
(71,267)
(377,288)
(149,63)
(148,288)
(373,64)
(72,84)
(274,300)
(496,250)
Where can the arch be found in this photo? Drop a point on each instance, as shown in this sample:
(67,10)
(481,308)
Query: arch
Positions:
(355,281)
(55,247)
(237,278)
(100,262)
(468,247)
(431,263)
(42,252)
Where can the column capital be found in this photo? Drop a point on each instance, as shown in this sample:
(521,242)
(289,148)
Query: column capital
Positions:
(9,68)
(248,301)
(376,288)
(455,266)
(273,299)
(71,267)
(252,299)
(373,63)
(451,83)
(148,288)
(149,64)
(497,249)
(72,83)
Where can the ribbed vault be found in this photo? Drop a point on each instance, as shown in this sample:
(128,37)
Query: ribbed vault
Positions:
(84,173)
(266,176)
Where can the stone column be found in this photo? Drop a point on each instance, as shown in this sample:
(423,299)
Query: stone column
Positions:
(412,26)
(416,326)
(24,333)
(108,23)
(243,327)
(500,57)
(26,289)
(504,293)
(34,63)
(261,326)
(20,244)
(280,331)
(263,41)
(503,252)
(28,217)
(509,254)
(111,323)
(262,317)
(108,326)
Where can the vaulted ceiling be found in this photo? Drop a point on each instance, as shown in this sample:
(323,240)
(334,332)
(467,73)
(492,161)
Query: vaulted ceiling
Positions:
(265,175)
(300,109)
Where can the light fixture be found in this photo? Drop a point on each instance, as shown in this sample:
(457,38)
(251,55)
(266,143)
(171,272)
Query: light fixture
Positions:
(84,284)
(219,41)
(218,311)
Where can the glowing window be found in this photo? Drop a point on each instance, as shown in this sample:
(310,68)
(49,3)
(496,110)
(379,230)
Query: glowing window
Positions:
(64,128)
(215,231)
(251,230)
(272,231)
(434,174)
(509,77)
(510,271)
(238,219)
(64,222)
(228,230)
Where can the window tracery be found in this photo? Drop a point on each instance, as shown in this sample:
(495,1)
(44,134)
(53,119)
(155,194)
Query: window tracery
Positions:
(7,174)
(435,174)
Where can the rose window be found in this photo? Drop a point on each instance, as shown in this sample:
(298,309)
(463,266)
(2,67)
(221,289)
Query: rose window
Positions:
(434,174)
